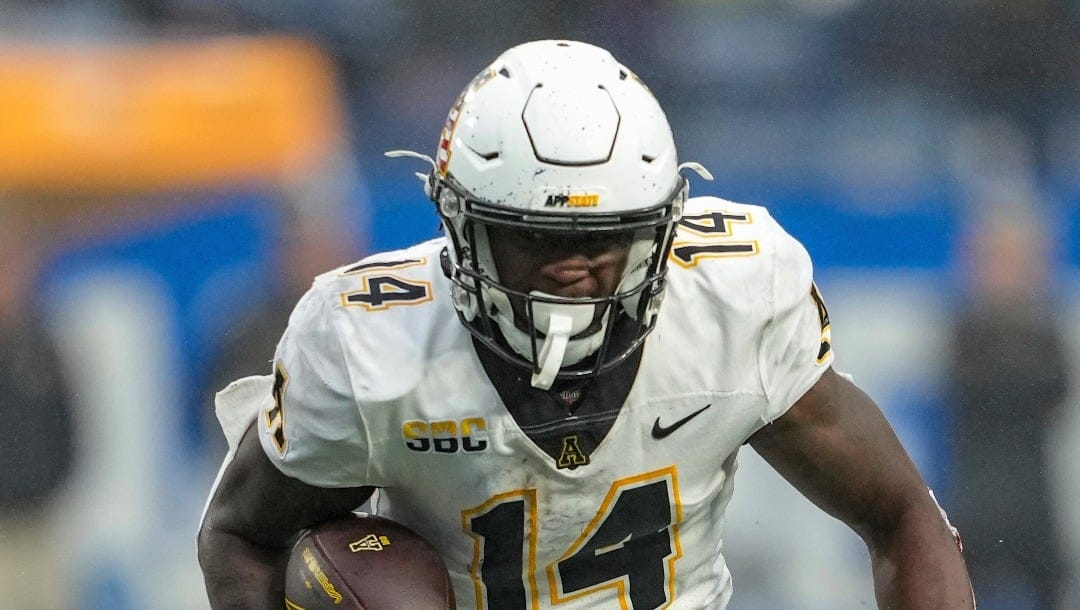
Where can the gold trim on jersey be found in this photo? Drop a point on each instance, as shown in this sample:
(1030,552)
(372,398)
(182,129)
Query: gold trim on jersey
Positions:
(514,514)
(710,235)
(386,289)
(363,268)
(712,229)
(826,325)
(726,249)
(528,497)
(621,585)
(275,415)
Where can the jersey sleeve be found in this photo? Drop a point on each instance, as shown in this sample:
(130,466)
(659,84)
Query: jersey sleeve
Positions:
(796,347)
(313,429)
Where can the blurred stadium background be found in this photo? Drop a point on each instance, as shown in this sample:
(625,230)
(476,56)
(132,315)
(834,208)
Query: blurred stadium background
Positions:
(167,162)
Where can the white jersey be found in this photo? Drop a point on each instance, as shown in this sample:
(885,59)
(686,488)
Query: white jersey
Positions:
(378,383)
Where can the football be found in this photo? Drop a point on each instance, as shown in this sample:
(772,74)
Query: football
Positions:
(366,563)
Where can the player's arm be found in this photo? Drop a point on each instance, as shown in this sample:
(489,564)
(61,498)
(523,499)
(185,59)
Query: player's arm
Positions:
(835,446)
(250,523)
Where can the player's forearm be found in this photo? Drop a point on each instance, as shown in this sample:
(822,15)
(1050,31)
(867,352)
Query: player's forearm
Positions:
(918,566)
(240,574)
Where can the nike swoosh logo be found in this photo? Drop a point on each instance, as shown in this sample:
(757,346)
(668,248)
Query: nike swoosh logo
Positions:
(659,431)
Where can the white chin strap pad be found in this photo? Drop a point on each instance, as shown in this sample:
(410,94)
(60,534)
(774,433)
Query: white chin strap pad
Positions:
(558,322)
(551,354)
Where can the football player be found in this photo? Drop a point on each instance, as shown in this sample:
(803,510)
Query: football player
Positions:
(555,392)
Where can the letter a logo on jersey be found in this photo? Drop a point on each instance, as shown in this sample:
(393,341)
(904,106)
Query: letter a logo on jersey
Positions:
(572,456)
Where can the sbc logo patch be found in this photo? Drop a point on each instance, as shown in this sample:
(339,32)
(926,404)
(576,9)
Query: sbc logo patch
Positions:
(446,436)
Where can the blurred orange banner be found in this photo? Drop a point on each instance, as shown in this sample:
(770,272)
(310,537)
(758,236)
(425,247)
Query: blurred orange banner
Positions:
(125,118)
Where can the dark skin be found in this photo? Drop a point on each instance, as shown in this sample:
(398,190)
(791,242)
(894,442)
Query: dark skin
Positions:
(571,266)
(252,520)
(833,445)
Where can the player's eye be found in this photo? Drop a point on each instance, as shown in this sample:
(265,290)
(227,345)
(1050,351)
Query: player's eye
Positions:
(545,243)
(613,239)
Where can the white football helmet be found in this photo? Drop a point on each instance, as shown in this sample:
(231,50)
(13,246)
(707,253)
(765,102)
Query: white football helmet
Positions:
(557,136)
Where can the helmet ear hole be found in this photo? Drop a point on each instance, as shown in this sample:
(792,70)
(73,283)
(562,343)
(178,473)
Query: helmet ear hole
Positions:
(463,301)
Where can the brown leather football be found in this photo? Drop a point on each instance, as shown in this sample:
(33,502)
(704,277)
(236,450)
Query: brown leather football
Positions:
(366,563)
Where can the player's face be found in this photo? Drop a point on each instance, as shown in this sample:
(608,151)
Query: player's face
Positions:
(572,265)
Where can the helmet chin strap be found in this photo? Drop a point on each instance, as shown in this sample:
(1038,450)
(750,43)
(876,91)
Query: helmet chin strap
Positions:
(551,354)
(558,322)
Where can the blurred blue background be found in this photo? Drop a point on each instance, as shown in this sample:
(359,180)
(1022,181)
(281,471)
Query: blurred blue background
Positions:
(878,133)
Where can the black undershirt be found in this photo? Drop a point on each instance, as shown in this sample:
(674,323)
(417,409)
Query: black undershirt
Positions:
(571,419)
